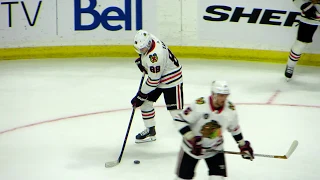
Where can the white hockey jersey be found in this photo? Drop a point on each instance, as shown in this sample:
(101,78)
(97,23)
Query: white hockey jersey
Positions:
(164,70)
(209,123)
(299,3)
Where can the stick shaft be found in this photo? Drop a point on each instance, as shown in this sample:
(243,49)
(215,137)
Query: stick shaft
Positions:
(130,122)
(292,148)
(256,155)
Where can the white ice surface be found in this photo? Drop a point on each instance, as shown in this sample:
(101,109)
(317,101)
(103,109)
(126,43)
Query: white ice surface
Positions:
(37,91)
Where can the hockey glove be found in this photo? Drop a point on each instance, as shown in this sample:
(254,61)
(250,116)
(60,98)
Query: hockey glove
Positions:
(139,64)
(196,145)
(247,150)
(308,10)
(138,100)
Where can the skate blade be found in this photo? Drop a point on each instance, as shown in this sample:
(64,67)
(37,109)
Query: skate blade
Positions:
(288,79)
(148,139)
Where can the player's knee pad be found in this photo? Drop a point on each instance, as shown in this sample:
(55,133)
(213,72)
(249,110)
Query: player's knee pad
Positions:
(174,112)
(216,178)
(298,47)
(147,106)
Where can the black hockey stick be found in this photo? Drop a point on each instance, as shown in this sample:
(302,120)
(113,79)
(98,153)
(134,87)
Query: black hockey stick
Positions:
(292,148)
(114,163)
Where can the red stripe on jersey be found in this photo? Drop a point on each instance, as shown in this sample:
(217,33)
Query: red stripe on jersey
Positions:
(171,77)
(152,82)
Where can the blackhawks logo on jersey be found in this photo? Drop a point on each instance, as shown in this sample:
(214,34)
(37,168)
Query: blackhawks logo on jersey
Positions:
(200,101)
(231,106)
(153,57)
(211,130)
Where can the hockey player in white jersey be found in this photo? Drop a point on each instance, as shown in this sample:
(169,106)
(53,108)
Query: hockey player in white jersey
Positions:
(164,75)
(201,125)
(309,22)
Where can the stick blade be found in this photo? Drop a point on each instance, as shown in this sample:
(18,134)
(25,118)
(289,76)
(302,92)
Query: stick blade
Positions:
(292,148)
(111,164)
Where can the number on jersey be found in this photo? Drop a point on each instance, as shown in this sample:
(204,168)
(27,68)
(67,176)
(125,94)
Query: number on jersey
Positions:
(155,69)
(171,56)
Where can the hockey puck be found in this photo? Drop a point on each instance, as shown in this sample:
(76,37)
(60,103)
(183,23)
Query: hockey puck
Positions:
(136,161)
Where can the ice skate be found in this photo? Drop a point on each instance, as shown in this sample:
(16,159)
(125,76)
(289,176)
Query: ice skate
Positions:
(288,72)
(148,135)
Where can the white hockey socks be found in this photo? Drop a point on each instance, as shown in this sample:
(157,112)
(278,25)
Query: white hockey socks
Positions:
(295,53)
(148,114)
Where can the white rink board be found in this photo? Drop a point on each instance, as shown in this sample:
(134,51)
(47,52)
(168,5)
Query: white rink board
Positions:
(175,22)
(15,26)
(250,24)
(75,22)
(118,30)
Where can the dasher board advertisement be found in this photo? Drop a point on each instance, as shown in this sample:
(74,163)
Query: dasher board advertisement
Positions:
(27,20)
(108,20)
(249,24)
